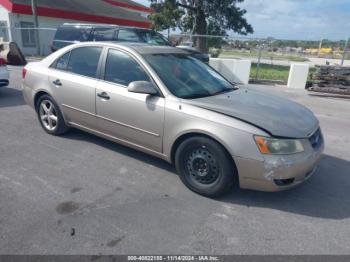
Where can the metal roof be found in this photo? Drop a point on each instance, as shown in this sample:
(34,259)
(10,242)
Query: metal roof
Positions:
(123,12)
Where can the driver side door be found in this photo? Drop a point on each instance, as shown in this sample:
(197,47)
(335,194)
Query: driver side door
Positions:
(130,117)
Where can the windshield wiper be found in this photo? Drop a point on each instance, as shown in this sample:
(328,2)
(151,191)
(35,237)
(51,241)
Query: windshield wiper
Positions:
(196,96)
(224,91)
(213,94)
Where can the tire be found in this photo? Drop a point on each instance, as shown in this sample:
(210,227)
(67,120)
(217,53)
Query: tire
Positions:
(205,167)
(50,116)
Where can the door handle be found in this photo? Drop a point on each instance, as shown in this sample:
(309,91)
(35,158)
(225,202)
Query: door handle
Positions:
(103,95)
(57,82)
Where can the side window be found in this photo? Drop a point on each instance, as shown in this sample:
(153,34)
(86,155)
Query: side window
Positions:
(62,62)
(84,61)
(73,33)
(128,36)
(104,34)
(123,69)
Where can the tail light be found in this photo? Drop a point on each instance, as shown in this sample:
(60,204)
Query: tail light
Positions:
(24,72)
(2,62)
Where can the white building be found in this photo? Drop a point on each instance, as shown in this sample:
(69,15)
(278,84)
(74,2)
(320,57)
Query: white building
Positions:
(16,17)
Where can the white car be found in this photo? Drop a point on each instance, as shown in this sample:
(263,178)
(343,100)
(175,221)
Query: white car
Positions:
(4,73)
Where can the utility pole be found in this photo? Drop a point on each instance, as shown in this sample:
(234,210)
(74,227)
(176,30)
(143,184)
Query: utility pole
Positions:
(259,58)
(36,25)
(344,53)
(319,48)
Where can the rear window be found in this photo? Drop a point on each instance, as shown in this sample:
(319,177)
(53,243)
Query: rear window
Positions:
(152,38)
(62,62)
(104,34)
(128,36)
(73,34)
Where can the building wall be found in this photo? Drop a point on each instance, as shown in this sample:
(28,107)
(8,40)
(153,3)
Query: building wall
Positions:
(47,32)
(4,24)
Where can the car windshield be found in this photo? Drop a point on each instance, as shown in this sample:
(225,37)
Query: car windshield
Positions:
(187,77)
(152,38)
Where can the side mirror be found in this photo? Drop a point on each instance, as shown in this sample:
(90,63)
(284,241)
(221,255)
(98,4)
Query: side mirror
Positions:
(142,87)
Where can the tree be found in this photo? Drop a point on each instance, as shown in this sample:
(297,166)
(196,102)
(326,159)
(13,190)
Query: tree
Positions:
(214,29)
(166,15)
(198,16)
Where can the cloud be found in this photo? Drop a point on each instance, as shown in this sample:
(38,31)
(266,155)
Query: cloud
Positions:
(297,19)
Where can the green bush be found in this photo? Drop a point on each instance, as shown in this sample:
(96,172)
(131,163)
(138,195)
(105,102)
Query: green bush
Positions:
(214,52)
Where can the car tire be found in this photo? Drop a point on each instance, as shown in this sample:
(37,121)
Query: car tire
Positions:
(205,167)
(50,116)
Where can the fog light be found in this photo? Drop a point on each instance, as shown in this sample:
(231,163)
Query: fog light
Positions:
(284,182)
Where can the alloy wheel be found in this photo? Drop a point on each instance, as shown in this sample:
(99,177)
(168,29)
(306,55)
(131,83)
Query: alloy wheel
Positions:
(48,115)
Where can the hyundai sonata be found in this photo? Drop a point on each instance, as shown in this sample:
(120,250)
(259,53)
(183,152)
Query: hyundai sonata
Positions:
(162,101)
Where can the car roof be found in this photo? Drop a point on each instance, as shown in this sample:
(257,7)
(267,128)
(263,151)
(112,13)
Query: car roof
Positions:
(141,48)
(144,48)
(77,25)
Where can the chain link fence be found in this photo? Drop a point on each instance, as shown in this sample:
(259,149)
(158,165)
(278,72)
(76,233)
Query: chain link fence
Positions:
(33,42)
(271,58)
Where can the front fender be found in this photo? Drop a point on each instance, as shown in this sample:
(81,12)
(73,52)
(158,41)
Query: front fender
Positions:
(234,135)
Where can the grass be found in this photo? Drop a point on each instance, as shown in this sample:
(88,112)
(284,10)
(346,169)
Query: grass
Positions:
(272,72)
(264,55)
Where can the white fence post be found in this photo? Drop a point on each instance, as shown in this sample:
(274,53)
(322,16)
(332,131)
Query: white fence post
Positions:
(234,70)
(298,76)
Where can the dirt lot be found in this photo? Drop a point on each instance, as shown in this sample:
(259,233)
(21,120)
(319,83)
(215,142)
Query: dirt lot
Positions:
(79,194)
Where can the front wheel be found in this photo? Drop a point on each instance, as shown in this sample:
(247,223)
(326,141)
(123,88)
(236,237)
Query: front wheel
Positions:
(205,167)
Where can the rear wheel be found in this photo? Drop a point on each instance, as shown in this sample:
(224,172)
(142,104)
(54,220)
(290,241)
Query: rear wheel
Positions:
(205,167)
(50,116)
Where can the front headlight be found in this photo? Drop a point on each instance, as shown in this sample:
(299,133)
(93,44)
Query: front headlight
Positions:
(276,146)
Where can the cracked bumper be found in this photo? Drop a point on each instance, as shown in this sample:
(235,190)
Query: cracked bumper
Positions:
(266,175)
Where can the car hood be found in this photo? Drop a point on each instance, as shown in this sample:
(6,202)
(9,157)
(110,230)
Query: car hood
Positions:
(278,116)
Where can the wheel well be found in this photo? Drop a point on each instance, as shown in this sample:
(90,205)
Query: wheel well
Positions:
(37,96)
(182,138)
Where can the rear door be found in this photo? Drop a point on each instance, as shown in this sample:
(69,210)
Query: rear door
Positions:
(73,79)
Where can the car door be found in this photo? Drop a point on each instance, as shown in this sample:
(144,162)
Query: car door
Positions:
(132,117)
(73,79)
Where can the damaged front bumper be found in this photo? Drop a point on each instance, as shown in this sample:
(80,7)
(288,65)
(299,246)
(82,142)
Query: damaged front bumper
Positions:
(279,172)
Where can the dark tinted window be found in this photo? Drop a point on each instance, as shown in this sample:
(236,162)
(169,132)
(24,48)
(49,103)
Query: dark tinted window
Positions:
(62,62)
(152,38)
(73,34)
(128,36)
(84,61)
(123,69)
(104,34)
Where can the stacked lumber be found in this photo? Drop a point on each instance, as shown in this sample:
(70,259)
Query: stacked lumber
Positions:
(332,76)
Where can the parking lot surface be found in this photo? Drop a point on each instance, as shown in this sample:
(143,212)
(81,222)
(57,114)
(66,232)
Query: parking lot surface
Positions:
(79,194)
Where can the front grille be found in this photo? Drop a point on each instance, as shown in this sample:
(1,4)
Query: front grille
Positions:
(316,139)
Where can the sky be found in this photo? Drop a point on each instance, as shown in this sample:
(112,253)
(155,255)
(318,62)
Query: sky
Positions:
(297,19)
